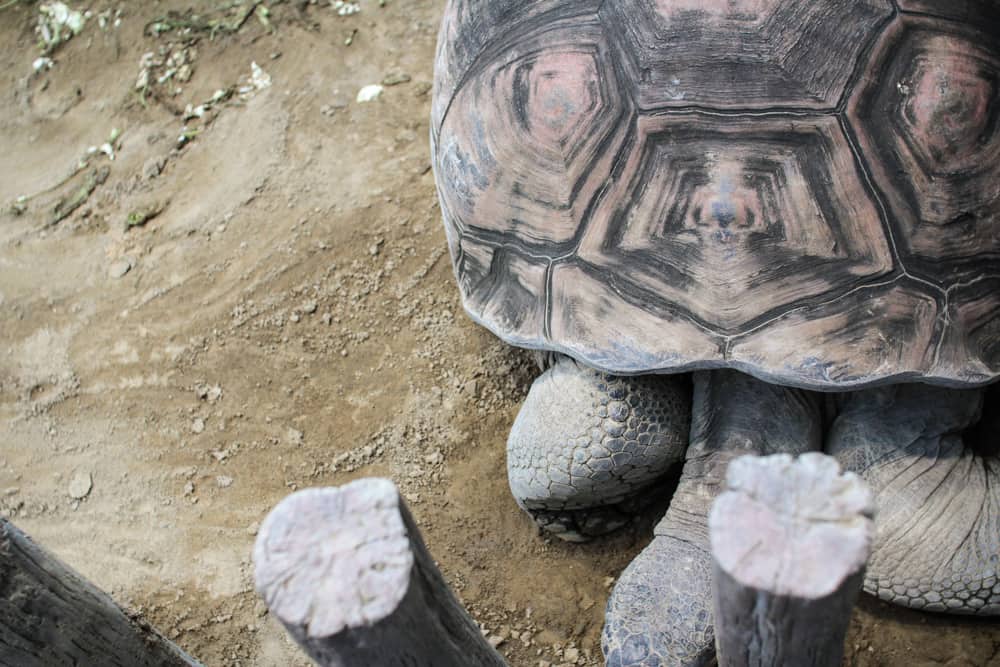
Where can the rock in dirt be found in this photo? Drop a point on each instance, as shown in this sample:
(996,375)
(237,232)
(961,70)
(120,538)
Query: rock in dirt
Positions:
(120,267)
(80,485)
(153,167)
(370,93)
(395,78)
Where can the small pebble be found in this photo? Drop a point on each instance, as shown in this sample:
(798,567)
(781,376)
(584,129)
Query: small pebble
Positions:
(80,485)
(120,267)
(369,93)
(395,78)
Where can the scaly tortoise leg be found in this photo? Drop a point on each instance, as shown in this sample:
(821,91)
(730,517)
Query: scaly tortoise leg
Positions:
(659,612)
(586,446)
(937,493)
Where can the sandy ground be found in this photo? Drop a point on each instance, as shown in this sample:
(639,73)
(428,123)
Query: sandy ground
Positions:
(287,320)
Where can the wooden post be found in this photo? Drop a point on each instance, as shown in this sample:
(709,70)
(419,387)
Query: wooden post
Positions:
(790,539)
(346,572)
(50,616)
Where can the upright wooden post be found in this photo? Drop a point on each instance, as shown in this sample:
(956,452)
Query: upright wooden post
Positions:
(50,616)
(790,539)
(346,572)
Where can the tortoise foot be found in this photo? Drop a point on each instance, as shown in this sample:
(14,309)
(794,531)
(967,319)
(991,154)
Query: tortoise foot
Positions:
(659,612)
(587,447)
(936,479)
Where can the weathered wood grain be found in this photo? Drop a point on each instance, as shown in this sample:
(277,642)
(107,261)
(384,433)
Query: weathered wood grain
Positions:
(345,571)
(50,616)
(789,541)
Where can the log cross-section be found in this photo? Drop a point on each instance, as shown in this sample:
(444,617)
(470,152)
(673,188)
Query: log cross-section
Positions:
(50,616)
(346,572)
(790,539)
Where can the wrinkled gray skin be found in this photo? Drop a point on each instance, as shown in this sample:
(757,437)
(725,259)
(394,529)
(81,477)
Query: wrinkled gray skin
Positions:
(937,497)
(906,441)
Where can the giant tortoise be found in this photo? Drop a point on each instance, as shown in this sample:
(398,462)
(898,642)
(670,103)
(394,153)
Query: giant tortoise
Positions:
(736,226)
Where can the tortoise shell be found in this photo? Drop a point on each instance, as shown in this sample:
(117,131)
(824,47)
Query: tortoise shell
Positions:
(806,191)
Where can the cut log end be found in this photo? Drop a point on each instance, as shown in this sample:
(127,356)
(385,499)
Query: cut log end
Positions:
(790,539)
(346,572)
(792,527)
(332,559)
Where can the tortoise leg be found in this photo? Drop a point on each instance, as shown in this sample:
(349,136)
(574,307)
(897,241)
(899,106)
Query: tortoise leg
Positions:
(586,445)
(937,493)
(659,612)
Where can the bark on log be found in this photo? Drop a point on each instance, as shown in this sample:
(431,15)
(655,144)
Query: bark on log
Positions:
(790,539)
(346,572)
(50,616)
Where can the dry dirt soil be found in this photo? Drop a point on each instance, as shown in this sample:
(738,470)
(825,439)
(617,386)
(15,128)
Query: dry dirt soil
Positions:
(287,319)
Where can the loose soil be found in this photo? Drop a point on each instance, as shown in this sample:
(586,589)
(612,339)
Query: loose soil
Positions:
(266,305)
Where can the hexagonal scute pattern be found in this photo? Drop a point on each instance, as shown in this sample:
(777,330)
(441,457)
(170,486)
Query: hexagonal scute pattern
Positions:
(746,54)
(729,219)
(930,109)
(531,137)
(982,13)
(805,191)
(472,30)
(504,289)
(860,338)
(974,332)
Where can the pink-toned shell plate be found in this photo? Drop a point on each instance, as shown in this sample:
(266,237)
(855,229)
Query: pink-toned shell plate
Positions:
(806,191)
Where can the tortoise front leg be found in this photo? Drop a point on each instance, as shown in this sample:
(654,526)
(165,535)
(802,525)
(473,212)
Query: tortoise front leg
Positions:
(937,494)
(660,609)
(586,446)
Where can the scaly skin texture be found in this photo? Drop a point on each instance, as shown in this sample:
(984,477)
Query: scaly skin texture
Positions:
(659,612)
(938,519)
(586,445)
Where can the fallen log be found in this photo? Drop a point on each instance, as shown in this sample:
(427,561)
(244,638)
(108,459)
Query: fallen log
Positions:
(51,616)
(346,572)
(790,539)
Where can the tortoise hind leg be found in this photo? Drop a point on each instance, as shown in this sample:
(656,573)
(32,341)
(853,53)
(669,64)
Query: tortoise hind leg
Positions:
(937,493)
(586,446)
(659,612)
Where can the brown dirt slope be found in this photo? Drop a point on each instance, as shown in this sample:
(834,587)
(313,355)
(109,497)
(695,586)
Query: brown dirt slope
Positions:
(287,318)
